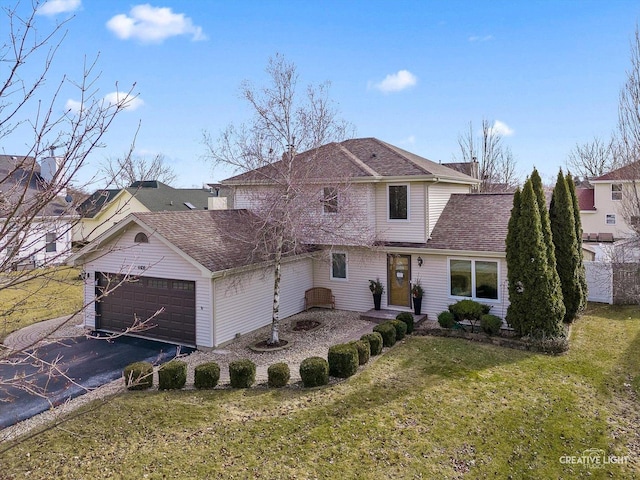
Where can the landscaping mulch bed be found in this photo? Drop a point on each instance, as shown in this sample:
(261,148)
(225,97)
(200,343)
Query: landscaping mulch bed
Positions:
(306,325)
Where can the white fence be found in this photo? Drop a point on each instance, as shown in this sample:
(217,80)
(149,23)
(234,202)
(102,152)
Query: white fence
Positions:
(599,281)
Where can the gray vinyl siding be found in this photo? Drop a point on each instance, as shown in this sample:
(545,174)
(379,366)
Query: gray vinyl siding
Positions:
(153,259)
(244,302)
(437,197)
(353,293)
(410,230)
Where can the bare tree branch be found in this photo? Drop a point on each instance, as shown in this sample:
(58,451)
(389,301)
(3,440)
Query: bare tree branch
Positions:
(277,150)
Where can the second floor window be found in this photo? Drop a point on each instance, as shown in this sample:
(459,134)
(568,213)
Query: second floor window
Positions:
(616,191)
(50,242)
(330,200)
(398,202)
(610,219)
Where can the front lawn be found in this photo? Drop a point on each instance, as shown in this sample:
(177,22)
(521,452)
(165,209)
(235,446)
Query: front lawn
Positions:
(429,408)
(51,293)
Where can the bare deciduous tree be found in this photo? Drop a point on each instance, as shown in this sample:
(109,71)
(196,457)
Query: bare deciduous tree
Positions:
(627,139)
(37,193)
(496,163)
(592,159)
(121,172)
(287,187)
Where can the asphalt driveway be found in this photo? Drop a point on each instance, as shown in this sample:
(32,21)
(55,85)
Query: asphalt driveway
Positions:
(89,362)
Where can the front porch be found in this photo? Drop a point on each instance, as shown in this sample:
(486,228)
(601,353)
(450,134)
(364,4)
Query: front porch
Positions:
(379,316)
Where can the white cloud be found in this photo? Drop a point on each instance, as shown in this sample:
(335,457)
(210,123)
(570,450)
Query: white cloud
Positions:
(501,128)
(395,82)
(479,38)
(131,102)
(54,7)
(410,140)
(153,25)
(73,105)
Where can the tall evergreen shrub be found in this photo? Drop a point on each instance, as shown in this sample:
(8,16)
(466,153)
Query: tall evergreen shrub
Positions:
(517,308)
(565,242)
(582,276)
(540,285)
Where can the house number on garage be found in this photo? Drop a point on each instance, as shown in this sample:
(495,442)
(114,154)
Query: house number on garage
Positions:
(141,267)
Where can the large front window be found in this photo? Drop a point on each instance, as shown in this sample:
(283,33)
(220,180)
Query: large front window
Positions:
(398,202)
(476,279)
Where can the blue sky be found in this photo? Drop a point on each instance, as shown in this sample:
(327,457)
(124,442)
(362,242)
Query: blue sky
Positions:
(411,73)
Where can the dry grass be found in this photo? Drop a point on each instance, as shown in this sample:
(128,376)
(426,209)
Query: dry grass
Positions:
(51,293)
(430,408)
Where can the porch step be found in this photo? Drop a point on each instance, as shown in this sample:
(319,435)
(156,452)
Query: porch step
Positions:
(380,316)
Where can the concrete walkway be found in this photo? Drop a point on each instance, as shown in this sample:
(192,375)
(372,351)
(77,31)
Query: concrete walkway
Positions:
(31,335)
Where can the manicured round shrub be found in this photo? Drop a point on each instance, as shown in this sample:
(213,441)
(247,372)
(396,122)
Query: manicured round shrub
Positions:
(343,360)
(491,324)
(138,376)
(278,375)
(446,319)
(242,373)
(375,342)
(407,318)
(388,333)
(314,371)
(401,329)
(468,310)
(206,375)
(364,350)
(172,375)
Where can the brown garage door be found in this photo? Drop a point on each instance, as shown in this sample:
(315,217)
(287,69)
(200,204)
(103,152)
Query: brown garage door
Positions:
(142,297)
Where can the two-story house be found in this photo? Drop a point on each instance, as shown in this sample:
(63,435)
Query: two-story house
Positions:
(106,207)
(36,214)
(609,204)
(409,220)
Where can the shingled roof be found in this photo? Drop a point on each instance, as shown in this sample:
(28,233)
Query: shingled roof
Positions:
(358,158)
(216,239)
(473,222)
(627,172)
(22,187)
(154,195)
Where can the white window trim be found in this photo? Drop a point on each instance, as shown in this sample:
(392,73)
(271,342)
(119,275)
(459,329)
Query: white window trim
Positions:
(473,280)
(610,215)
(389,219)
(346,267)
(619,192)
(322,201)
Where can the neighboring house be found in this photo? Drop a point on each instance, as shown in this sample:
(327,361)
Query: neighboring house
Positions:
(607,205)
(36,223)
(426,227)
(106,207)
(603,205)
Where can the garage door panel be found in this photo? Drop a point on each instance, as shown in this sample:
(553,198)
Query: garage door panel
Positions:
(143,298)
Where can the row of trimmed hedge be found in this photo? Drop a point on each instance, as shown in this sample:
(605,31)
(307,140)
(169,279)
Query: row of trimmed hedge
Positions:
(342,361)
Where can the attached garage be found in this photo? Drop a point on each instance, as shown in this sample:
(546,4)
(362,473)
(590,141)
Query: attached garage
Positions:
(171,303)
(196,267)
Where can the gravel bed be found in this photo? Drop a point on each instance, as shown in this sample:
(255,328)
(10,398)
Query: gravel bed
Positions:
(337,326)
